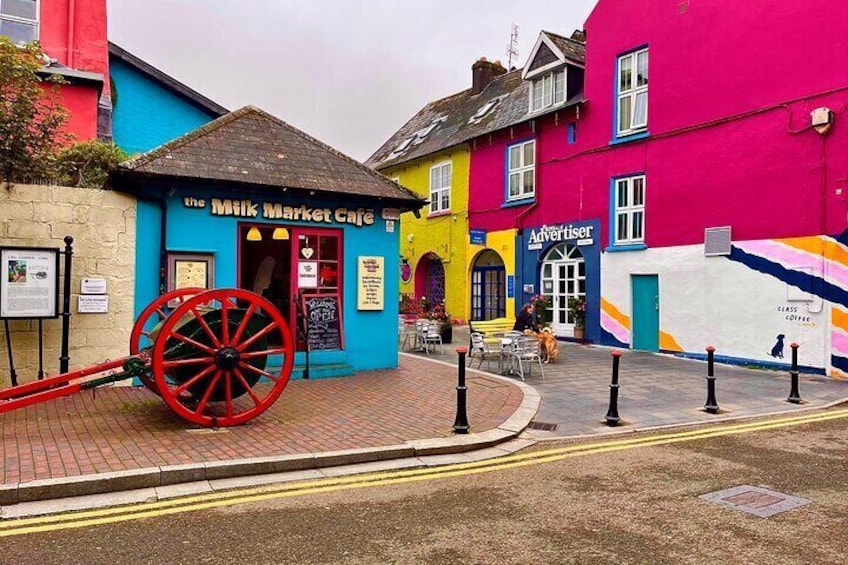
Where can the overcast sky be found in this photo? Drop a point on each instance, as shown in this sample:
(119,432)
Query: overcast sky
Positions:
(349,72)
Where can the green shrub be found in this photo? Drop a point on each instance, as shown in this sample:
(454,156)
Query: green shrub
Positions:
(87,164)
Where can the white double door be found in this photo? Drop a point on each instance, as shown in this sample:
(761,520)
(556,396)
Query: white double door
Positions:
(561,280)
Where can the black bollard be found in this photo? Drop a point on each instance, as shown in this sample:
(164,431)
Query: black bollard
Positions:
(794,393)
(712,404)
(460,424)
(612,414)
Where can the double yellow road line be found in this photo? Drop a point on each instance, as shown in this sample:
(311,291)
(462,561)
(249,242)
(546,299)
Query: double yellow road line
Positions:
(259,494)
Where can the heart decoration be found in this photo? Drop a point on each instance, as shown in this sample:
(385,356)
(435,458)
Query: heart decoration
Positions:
(307,252)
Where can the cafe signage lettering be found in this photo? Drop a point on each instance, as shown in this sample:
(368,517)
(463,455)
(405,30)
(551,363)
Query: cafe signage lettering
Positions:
(560,232)
(243,208)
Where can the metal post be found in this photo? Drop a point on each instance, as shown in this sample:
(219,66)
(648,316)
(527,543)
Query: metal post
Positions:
(794,394)
(711,405)
(460,424)
(40,350)
(66,305)
(612,418)
(9,350)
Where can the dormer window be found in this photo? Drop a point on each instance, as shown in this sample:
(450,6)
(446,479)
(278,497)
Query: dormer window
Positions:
(19,20)
(547,90)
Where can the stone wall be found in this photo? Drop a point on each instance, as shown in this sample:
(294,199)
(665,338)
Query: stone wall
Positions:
(102,224)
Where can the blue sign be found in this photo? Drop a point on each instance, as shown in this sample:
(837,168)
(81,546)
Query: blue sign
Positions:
(478,237)
(510,286)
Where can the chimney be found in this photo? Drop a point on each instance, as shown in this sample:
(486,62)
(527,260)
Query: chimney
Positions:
(579,35)
(482,72)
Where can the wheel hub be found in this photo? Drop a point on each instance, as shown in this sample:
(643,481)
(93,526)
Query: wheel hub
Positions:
(227,358)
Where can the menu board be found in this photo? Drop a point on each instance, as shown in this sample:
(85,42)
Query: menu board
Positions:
(29,287)
(371,283)
(323,321)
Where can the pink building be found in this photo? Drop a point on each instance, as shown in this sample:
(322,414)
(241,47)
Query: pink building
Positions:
(695,192)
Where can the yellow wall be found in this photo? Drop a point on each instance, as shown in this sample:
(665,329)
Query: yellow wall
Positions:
(445,235)
(502,243)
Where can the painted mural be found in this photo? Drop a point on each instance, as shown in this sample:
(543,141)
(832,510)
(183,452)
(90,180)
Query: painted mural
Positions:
(751,304)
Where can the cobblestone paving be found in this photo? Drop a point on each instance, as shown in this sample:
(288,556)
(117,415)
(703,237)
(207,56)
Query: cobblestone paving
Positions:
(656,390)
(125,428)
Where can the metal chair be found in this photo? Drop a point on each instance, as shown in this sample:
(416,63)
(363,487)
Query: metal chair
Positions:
(432,336)
(524,352)
(484,350)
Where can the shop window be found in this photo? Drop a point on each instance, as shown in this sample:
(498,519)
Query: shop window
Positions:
(321,250)
(19,20)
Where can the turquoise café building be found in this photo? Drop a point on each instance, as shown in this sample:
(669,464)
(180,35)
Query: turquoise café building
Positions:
(248,201)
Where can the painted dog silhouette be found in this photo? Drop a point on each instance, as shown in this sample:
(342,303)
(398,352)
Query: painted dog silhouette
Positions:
(777,350)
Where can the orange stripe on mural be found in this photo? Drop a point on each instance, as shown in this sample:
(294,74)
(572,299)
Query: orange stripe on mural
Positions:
(839,318)
(837,374)
(668,343)
(816,245)
(614,313)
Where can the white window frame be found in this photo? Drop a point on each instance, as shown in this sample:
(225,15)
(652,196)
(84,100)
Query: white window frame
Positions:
(36,22)
(548,93)
(630,95)
(631,209)
(440,186)
(520,171)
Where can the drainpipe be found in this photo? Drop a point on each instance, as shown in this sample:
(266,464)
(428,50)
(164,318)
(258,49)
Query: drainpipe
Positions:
(71,11)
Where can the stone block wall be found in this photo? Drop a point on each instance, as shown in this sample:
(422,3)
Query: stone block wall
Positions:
(102,224)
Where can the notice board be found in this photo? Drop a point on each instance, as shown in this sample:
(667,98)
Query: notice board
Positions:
(323,314)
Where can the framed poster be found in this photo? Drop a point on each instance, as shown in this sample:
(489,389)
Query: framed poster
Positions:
(29,282)
(371,283)
(190,270)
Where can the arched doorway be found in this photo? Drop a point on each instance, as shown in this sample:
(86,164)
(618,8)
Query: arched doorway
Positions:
(430,279)
(563,277)
(488,287)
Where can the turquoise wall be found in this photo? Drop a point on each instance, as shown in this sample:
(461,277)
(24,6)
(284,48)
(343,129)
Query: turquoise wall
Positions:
(370,337)
(145,115)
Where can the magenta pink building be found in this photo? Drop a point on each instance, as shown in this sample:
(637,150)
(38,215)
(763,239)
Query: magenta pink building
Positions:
(691,184)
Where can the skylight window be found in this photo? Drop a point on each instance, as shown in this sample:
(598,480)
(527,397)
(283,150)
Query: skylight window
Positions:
(404,145)
(484,110)
(422,133)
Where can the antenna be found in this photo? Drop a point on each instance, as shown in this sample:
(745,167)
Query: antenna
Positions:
(512,46)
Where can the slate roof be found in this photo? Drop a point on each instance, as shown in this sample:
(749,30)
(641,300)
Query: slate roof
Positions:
(573,50)
(166,81)
(251,148)
(458,109)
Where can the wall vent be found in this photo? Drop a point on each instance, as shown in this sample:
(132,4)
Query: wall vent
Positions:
(717,241)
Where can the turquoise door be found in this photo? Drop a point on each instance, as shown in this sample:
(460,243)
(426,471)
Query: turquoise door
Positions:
(646,312)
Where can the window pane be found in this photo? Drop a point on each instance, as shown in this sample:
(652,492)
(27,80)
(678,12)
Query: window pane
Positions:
(642,69)
(638,191)
(434,203)
(329,274)
(537,94)
(328,248)
(17,32)
(641,114)
(559,87)
(529,153)
(529,181)
(19,8)
(624,113)
(446,176)
(513,184)
(581,271)
(445,200)
(625,73)
(546,270)
(638,218)
(548,82)
(434,178)
(514,157)
(621,232)
(622,194)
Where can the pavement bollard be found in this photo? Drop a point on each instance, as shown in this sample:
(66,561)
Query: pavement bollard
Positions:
(460,424)
(612,418)
(712,404)
(794,393)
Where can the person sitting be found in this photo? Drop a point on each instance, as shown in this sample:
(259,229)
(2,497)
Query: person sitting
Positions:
(526,319)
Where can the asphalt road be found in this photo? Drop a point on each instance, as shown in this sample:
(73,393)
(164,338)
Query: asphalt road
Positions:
(629,505)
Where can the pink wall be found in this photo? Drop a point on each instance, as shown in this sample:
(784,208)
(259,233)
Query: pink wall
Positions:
(74,32)
(759,174)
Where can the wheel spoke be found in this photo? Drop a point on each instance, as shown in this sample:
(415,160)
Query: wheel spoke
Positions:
(215,341)
(183,387)
(197,344)
(183,362)
(243,323)
(201,406)
(225,323)
(228,392)
(246,386)
(162,313)
(256,336)
(253,369)
(263,353)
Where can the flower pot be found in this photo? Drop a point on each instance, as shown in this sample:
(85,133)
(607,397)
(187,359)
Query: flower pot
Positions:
(446,333)
(579,332)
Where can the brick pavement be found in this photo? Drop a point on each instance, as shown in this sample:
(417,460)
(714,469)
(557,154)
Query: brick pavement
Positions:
(125,428)
(656,390)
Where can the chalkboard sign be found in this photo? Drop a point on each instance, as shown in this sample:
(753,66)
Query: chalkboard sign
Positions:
(324,321)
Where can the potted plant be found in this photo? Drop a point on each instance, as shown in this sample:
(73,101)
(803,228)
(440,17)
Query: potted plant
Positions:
(541,307)
(577,309)
(440,315)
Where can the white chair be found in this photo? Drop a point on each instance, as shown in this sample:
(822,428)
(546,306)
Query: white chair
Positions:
(524,352)
(484,351)
(432,336)
(406,332)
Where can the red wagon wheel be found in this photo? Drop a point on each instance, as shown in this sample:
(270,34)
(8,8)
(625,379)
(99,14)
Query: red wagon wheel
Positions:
(159,307)
(223,357)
